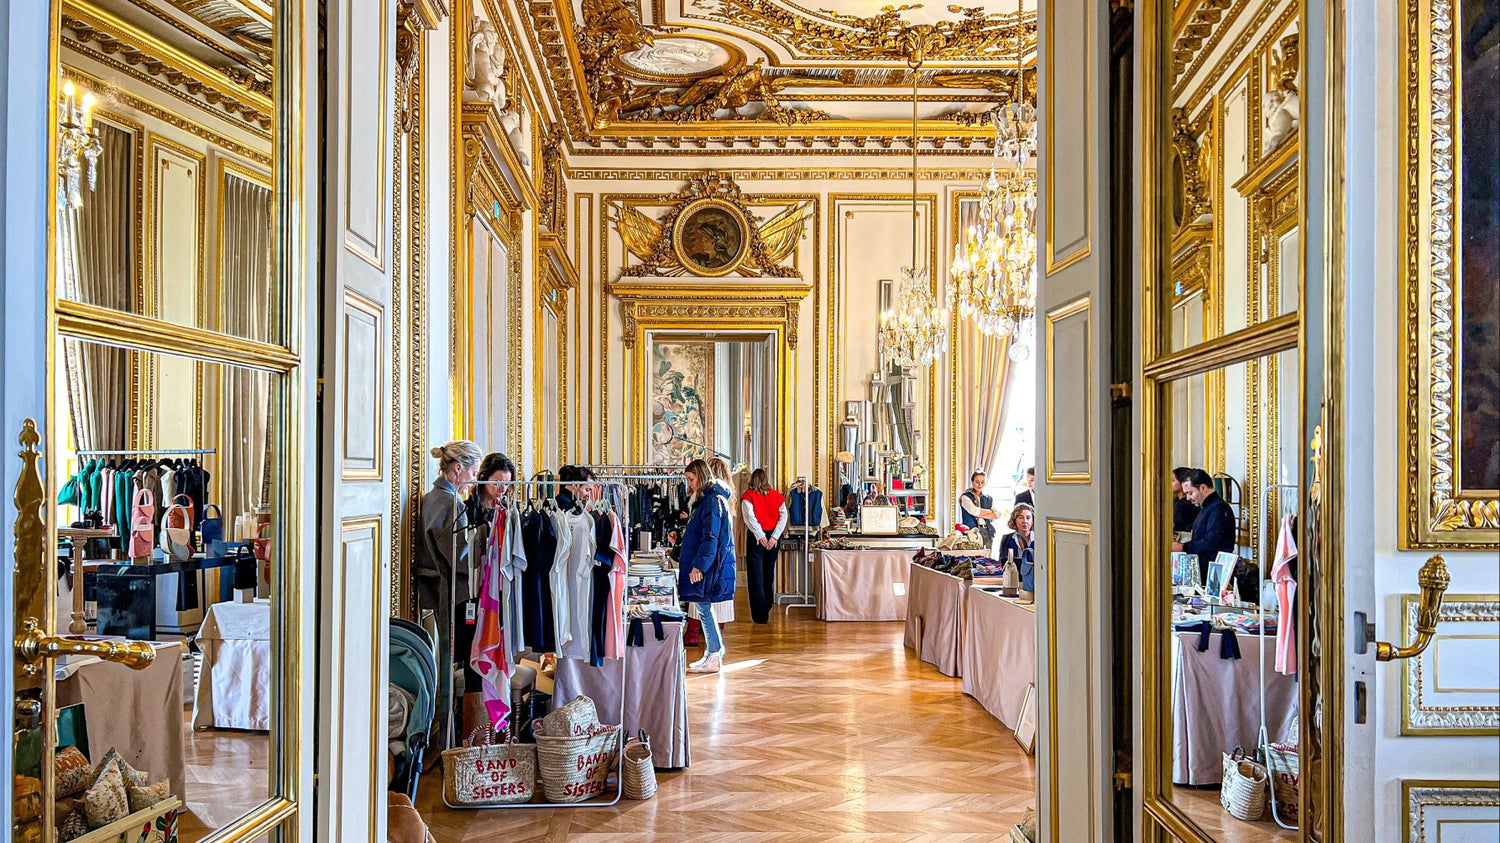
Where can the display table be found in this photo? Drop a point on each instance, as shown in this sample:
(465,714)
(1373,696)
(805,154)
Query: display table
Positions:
(861,585)
(136,712)
(234,688)
(999,653)
(1216,704)
(654,680)
(935,617)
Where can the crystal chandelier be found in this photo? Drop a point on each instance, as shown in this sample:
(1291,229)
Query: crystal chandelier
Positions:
(915,331)
(78,144)
(993,274)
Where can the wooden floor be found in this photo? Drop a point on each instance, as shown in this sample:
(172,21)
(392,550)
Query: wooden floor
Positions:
(1202,804)
(227,774)
(817,732)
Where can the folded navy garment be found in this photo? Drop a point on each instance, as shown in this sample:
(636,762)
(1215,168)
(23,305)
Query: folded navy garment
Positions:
(1204,630)
(636,636)
(1229,646)
(661,634)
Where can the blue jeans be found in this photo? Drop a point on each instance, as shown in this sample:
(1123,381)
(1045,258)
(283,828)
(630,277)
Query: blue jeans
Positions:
(711,637)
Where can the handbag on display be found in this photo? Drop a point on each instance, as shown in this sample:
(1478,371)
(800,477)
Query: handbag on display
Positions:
(177,532)
(211,531)
(1243,793)
(142,524)
(637,771)
(487,773)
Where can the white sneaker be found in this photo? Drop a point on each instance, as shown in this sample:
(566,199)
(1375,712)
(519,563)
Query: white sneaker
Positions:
(711,664)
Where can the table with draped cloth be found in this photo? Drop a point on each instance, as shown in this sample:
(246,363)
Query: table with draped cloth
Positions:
(935,617)
(234,687)
(861,585)
(999,653)
(137,712)
(1216,704)
(653,679)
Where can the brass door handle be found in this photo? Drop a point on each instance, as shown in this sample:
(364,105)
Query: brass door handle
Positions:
(1434,579)
(34,647)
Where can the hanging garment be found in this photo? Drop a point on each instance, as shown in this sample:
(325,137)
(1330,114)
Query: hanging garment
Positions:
(487,655)
(599,586)
(614,647)
(107,497)
(539,538)
(513,566)
(572,580)
(1286,595)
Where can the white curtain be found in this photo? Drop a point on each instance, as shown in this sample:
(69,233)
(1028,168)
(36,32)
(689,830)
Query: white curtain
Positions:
(250,312)
(984,406)
(95,247)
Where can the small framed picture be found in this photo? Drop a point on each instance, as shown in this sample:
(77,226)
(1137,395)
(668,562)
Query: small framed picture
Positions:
(880,521)
(1026,723)
(1221,573)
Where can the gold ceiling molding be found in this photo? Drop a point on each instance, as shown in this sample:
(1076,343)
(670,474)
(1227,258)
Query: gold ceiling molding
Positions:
(611,32)
(1192,168)
(1197,33)
(242,23)
(949,174)
(600,106)
(724,304)
(241,96)
(977,35)
(659,244)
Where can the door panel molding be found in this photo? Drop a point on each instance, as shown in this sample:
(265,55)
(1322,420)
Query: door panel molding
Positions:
(1429,804)
(1069,233)
(1070,345)
(1071,554)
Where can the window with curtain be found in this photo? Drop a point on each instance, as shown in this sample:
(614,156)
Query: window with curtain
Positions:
(246,266)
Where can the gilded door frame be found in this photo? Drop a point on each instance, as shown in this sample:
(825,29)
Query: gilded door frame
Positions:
(725,307)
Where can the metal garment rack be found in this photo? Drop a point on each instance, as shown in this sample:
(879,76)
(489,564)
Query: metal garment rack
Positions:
(803,597)
(1263,738)
(447,674)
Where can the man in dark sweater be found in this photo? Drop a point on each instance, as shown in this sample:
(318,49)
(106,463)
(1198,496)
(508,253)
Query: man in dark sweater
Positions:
(1184,511)
(1214,529)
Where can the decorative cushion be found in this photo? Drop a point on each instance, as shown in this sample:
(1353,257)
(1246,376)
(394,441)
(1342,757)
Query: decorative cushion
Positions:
(129,773)
(72,827)
(71,772)
(142,798)
(26,799)
(106,801)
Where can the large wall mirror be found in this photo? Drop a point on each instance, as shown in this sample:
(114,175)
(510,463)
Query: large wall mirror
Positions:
(1223,412)
(169,426)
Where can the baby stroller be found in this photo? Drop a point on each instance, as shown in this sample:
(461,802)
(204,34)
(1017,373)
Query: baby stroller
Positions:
(413,670)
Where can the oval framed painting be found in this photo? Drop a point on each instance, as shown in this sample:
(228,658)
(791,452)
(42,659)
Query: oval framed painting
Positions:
(711,237)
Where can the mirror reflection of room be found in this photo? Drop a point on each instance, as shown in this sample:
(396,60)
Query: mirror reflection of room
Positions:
(165,227)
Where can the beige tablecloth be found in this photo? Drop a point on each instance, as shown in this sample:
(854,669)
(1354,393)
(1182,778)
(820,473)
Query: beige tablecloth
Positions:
(655,693)
(935,617)
(861,585)
(999,653)
(137,712)
(234,688)
(1216,704)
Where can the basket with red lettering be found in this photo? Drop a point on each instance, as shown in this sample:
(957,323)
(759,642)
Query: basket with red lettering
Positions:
(489,774)
(576,767)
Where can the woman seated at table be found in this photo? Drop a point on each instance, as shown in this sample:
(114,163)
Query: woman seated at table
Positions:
(1020,542)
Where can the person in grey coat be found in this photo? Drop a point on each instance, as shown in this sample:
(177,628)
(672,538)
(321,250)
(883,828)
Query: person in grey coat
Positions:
(442,564)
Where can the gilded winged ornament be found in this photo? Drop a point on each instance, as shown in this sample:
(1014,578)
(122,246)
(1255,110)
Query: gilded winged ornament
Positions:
(768,244)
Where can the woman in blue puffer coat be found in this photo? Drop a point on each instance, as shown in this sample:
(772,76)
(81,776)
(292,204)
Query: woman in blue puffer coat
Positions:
(706,560)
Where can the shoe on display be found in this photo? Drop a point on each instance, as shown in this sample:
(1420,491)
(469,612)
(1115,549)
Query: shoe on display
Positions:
(712,664)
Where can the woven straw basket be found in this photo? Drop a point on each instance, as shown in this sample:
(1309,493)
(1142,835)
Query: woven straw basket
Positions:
(576,768)
(489,774)
(637,773)
(1243,793)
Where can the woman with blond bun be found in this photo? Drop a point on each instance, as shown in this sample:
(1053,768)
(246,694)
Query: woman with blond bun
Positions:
(442,561)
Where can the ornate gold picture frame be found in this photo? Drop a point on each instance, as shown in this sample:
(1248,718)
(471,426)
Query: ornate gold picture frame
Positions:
(711,237)
(1451,496)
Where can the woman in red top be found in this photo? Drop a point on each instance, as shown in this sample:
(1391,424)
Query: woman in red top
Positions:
(765,517)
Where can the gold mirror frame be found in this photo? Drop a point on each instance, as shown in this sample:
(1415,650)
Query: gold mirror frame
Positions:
(1441,513)
(287,809)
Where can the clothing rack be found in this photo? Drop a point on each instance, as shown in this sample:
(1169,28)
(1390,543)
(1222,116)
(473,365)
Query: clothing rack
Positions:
(137,452)
(551,487)
(802,598)
(1263,739)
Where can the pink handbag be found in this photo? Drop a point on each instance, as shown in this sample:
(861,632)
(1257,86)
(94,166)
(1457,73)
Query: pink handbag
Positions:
(142,524)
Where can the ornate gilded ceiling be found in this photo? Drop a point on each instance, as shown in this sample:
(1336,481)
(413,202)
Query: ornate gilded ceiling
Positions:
(747,74)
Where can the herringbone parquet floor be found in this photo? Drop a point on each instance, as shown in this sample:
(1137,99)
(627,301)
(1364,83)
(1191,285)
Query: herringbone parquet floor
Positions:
(818,732)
